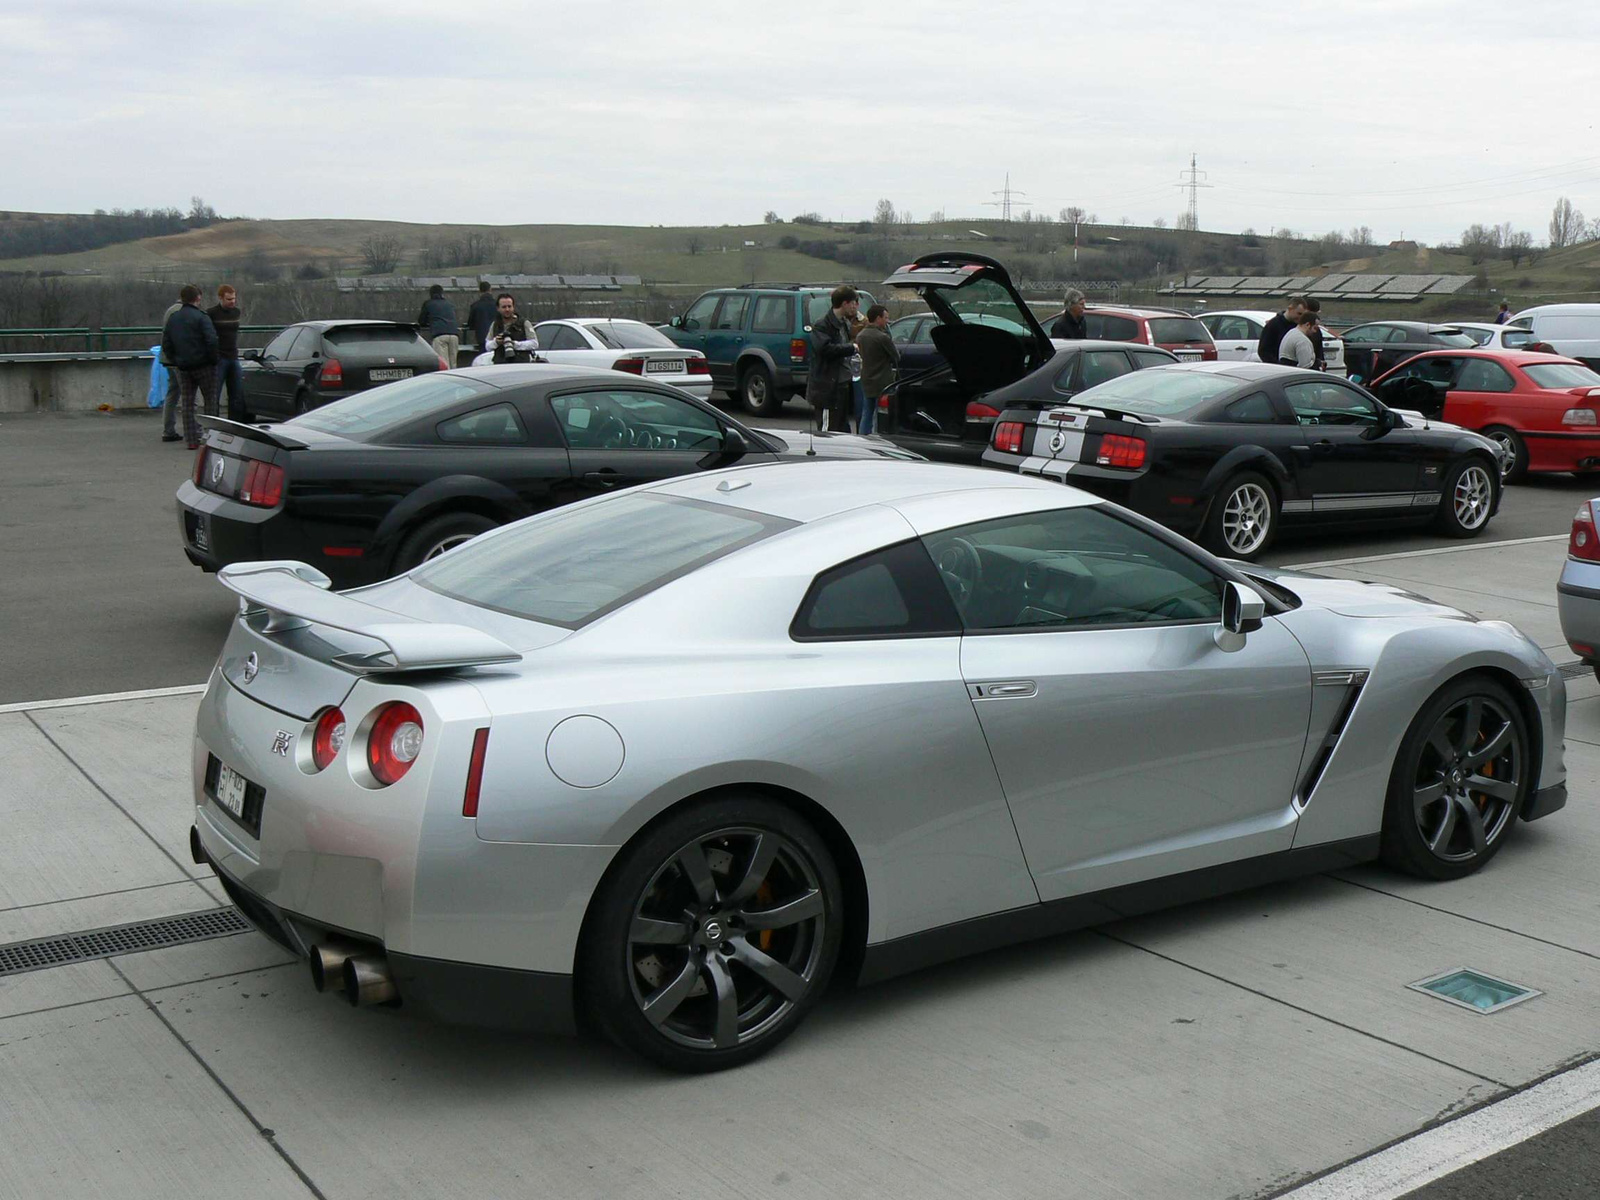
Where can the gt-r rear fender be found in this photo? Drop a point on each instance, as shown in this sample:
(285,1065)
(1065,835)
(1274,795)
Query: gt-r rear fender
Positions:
(439,495)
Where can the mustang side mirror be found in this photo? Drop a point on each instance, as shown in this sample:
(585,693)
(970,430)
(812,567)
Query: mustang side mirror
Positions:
(1243,610)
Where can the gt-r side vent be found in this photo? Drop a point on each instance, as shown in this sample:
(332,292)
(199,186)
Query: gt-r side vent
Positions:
(40,953)
(1341,688)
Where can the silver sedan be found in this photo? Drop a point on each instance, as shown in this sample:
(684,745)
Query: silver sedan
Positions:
(661,763)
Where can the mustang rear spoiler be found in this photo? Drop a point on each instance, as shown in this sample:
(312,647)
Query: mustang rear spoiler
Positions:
(252,433)
(295,594)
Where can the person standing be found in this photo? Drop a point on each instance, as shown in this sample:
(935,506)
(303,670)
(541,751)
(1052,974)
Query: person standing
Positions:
(1296,349)
(511,337)
(880,359)
(1273,331)
(438,322)
(189,342)
(1503,317)
(225,317)
(481,316)
(1070,325)
(1314,307)
(169,403)
(828,386)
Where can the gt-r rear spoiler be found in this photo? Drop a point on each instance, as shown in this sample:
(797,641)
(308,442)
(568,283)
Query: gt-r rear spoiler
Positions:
(295,594)
(252,433)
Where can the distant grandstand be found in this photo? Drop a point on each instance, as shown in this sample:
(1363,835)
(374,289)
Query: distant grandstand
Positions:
(1334,286)
(469,283)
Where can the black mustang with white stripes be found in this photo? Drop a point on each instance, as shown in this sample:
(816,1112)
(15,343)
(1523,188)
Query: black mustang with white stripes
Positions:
(1226,452)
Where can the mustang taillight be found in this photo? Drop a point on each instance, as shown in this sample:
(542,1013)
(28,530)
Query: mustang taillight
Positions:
(199,464)
(978,411)
(798,350)
(1008,437)
(633,365)
(395,742)
(263,485)
(480,748)
(1119,450)
(1582,542)
(698,366)
(332,373)
(327,738)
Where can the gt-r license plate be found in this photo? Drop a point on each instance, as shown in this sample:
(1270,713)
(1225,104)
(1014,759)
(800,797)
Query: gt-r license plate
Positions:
(387,373)
(664,366)
(230,790)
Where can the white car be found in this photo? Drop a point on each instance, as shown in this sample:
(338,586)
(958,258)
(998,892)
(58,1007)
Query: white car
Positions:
(1570,329)
(1490,336)
(620,345)
(1237,331)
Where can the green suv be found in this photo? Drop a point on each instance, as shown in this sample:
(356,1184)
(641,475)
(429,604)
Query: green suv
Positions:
(757,339)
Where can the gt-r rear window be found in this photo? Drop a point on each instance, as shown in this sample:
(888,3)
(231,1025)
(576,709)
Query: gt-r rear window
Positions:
(1561,375)
(573,565)
(1159,391)
(1167,331)
(367,414)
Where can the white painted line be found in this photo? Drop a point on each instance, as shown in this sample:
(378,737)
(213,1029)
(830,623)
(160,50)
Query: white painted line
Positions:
(1485,1131)
(193,689)
(1345,562)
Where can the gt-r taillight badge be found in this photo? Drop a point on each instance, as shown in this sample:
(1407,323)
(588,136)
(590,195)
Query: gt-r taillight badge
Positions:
(251,666)
(280,743)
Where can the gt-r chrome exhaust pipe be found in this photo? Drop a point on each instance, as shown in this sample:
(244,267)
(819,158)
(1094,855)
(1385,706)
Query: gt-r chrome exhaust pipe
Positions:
(368,981)
(327,963)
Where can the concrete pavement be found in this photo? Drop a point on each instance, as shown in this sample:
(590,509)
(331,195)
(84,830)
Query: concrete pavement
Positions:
(1222,1050)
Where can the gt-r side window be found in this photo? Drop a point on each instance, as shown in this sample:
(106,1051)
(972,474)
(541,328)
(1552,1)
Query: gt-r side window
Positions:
(497,425)
(890,593)
(1073,568)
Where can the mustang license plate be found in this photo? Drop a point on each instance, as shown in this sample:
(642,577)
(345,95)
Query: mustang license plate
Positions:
(390,373)
(230,790)
(202,534)
(664,366)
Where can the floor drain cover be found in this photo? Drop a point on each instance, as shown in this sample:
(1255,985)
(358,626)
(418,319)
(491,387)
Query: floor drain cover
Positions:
(1473,989)
(120,939)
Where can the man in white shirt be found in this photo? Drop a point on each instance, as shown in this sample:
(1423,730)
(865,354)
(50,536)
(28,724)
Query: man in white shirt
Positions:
(1296,349)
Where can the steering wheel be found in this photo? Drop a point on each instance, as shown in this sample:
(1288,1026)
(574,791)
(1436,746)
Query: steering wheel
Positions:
(961,569)
(613,432)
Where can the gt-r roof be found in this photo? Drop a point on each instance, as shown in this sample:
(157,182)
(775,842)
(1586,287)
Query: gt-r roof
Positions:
(1244,372)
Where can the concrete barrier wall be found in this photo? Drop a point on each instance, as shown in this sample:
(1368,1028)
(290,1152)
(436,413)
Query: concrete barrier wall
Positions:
(73,383)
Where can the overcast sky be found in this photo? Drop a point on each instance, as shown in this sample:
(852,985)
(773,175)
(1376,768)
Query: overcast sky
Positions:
(1416,117)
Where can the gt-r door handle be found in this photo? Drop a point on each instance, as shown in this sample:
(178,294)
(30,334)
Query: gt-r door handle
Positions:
(1010,689)
(606,478)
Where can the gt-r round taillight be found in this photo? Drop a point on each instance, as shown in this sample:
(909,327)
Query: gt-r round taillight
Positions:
(327,738)
(395,742)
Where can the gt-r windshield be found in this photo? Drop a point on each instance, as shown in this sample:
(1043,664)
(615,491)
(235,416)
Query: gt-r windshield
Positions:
(1159,391)
(573,565)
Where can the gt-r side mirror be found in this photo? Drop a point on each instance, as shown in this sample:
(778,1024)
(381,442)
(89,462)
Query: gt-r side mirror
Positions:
(1243,610)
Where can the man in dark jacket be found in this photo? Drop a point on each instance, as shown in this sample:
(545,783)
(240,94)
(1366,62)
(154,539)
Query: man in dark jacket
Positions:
(828,386)
(225,316)
(511,336)
(481,315)
(1070,325)
(879,359)
(1272,332)
(438,322)
(189,343)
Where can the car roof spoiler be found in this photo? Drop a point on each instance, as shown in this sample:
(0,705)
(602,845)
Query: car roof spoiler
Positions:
(266,435)
(295,594)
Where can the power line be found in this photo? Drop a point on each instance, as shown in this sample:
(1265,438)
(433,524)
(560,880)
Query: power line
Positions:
(1004,203)
(1194,185)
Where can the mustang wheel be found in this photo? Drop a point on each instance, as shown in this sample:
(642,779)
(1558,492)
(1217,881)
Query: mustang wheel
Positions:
(758,393)
(1468,499)
(1514,452)
(713,935)
(1462,773)
(438,535)
(1244,517)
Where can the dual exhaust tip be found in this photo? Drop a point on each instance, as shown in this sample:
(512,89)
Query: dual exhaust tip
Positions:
(363,978)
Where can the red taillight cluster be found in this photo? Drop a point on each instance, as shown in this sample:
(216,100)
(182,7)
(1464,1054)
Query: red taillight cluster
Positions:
(1583,542)
(199,465)
(263,485)
(633,365)
(443,366)
(332,373)
(978,411)
(394,742)
(798,350)
(699,366)
(1008,437)
(1119,450)
(327,738)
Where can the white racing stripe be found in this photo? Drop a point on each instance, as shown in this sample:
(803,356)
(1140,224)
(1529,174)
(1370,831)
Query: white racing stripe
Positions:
(193,689)
(1402,1168)
(1346,562)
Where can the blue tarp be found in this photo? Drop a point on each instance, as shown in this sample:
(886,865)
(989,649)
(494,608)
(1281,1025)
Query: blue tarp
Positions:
(158,379)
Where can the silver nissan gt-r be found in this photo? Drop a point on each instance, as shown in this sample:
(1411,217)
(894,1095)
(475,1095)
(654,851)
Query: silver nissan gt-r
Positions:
(662,763)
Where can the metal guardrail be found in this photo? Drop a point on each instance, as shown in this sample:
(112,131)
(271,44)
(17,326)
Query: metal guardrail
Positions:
(91,336)
(85,333)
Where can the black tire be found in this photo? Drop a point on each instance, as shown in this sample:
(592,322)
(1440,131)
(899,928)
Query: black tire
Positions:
(1242,520)
(438,535)
(301,404)
(1436,824)
(1516,451)
(723,989)
(758,394)
(1467,500)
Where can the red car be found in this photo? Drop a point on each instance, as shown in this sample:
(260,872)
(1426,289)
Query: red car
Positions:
(1168,328)
(1543,409)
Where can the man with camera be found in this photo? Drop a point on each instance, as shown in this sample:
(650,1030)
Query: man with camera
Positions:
(511,337)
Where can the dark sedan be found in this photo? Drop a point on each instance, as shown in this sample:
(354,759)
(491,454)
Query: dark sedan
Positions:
(1380,346)
(317,362)
(377,483)
(1226,452)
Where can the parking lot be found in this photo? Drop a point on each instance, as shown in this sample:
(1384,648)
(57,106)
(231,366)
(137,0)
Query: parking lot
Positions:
(1228,1049)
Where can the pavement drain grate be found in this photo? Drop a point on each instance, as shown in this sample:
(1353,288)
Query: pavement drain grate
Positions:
(1473,989)
(40,953)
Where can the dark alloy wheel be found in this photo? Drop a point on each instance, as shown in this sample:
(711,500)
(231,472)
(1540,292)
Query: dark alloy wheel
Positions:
(757,392)
(713,936)
(1462,774)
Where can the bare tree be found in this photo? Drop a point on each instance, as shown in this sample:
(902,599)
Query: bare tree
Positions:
(380,253)
(936,216)
(772,217)
(883,215)
(694,244)
(1185,221)
(1361,236)
(1516,246)
(1073,214)
(1566,224)
(1159,223)
(1479,242)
